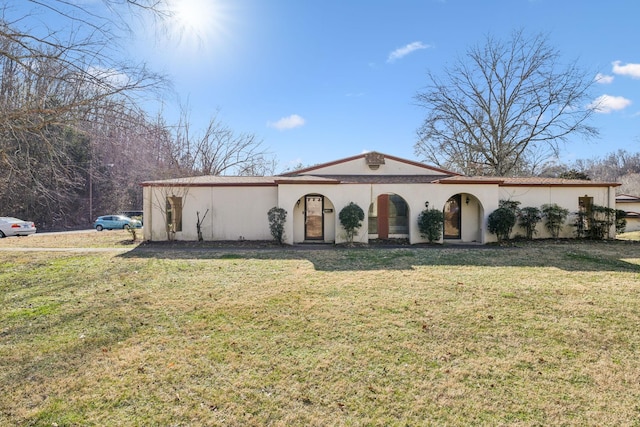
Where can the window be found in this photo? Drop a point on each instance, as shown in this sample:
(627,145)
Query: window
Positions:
(398,221)
(174,213)
(585,205)
(373,218)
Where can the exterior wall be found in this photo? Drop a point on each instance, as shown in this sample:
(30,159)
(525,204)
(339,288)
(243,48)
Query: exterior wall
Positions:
(234,212)
(483,200)
(240,212)
(336,197)
(566,197)
(633,223)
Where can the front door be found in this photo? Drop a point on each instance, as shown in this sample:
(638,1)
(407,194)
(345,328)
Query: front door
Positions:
(452,217)
(313,218)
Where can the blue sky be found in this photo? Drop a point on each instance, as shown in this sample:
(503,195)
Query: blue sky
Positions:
(322,80)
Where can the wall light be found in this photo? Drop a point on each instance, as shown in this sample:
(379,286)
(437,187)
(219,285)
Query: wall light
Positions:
(467,200)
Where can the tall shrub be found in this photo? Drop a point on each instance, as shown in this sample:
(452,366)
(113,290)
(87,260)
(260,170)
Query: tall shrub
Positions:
(277,217)
(502,220)
(596,223)
(430,223)
(528,218)
(555,218)
(351,217)
(621,221)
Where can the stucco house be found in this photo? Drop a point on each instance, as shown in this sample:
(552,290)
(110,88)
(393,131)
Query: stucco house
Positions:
(391,191)
(631,205)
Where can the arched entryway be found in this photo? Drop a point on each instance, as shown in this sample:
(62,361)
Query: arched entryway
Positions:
(388,217)
(313,219)
(463,218)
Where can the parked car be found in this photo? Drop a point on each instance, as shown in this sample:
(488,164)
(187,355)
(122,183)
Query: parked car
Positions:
(133,214)
(10,226)
(111,222)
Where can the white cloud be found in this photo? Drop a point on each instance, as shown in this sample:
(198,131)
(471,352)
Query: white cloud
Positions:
(406,50)
(291,122)
(631,70)
(606,104)
(603,79)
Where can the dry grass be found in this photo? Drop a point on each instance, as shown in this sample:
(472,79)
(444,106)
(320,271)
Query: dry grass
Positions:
(540,334)
(631,235)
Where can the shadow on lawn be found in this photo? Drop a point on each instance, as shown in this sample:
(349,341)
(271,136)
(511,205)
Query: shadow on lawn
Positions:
(570,255)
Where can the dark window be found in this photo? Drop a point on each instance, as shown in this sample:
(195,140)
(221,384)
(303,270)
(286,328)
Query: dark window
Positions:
(398,221)
(174,213)
(452,217)
(373,219)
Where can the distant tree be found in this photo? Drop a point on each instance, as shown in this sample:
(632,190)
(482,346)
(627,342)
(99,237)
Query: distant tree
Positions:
(55,80)
(630,184)
(503,106)
(219,150)
(351,217)
(574,174)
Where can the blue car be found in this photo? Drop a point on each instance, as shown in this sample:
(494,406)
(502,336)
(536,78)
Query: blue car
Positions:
(111,222)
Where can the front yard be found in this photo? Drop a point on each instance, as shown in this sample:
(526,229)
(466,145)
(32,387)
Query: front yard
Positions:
(538,334)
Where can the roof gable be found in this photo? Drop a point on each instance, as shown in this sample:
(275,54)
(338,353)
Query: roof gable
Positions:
(371,163)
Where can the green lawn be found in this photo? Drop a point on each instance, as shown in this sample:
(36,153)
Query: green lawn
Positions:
(537,334)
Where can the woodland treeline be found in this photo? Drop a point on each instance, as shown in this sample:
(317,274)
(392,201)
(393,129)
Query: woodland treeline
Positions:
(75,139)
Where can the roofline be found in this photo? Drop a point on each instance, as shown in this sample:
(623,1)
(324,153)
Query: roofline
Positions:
(209,184)
(306,181)
(468,181)
(548,184)
(503,183)
(387,156)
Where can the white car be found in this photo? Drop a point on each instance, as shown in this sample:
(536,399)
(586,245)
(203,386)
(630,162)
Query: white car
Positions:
(15,227)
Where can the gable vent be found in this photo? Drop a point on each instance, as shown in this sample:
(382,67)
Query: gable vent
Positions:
(374,160)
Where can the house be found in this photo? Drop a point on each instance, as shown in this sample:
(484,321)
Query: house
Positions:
(631,205)
(391,191)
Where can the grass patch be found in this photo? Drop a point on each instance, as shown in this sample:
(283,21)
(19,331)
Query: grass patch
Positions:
(538,334)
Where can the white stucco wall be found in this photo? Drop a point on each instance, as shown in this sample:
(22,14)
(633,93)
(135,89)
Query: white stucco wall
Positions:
(482,200)
(234,212)
(240,212)
(633,224)
(566,197)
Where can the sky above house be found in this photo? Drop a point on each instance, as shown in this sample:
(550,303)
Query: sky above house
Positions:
(323,80)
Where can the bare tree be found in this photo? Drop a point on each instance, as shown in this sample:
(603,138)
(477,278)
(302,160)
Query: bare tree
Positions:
(503,105)
(219,150)
(53,81)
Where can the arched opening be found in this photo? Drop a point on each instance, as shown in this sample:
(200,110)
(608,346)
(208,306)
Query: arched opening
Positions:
(313,219)
(388,217)
(463,218)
